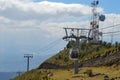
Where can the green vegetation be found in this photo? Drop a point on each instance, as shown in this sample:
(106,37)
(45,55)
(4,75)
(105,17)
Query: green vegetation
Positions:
(35,74)
(89,73)
(87,51)
(61,58)
(98,73)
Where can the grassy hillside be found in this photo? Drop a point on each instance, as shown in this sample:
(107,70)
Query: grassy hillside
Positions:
(88,52)
(61,58)
(98,73)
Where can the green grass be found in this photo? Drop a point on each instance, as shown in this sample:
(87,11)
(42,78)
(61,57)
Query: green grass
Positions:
(62,58)
(111,72)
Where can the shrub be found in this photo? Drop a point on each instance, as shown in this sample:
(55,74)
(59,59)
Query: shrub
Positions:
(97,49)
(66,59)
(109,45)
(89,73)
(56,58)
(70,44)
(59,57)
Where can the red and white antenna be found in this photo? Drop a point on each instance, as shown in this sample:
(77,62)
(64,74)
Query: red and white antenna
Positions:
(94,34)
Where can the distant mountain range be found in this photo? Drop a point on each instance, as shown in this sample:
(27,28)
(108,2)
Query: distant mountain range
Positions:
(7,75)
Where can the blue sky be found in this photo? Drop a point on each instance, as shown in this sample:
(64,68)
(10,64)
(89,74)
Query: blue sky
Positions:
(36,27)
(109,6)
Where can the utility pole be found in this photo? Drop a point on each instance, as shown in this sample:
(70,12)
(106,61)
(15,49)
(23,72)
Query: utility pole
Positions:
(112,38)
(28,56)
(19,73)
(74,33)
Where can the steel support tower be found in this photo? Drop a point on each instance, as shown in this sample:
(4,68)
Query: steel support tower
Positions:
(28,56)
(77,34)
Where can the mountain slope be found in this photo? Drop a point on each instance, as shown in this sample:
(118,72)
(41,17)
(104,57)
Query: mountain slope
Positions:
(93,57)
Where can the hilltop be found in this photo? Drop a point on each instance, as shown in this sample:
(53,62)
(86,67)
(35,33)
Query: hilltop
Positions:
(104,54)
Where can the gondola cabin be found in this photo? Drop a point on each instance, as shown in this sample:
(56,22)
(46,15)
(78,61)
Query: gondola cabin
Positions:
(74,54)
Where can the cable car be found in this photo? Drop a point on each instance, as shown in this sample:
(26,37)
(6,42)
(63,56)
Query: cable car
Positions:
(74,54)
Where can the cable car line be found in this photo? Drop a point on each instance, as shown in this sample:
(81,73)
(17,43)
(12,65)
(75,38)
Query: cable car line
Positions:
(110,26)
(48,47)
(51,44)
(111,32)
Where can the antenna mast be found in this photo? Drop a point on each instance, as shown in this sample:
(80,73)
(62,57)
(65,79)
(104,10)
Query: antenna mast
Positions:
(94,24)
(94,34)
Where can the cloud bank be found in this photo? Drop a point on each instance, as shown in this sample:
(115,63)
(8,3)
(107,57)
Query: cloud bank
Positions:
(43,15)
(21,10)
(47,17)
(26,25)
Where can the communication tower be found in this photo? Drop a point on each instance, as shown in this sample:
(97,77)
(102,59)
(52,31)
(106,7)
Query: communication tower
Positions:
(94,33)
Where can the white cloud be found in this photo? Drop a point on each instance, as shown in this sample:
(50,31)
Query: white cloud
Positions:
(49,17)
(111,19)
(20,10)
(45,16)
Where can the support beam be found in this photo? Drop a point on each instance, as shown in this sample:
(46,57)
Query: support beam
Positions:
(76,34)
(28,56)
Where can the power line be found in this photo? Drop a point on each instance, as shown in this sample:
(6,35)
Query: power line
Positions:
(110,26)
(110,34)
(113,32)
(52,46)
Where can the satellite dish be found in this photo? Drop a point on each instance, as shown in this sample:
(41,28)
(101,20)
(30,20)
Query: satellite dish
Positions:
(74,53)
(97,2)
(102,17)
